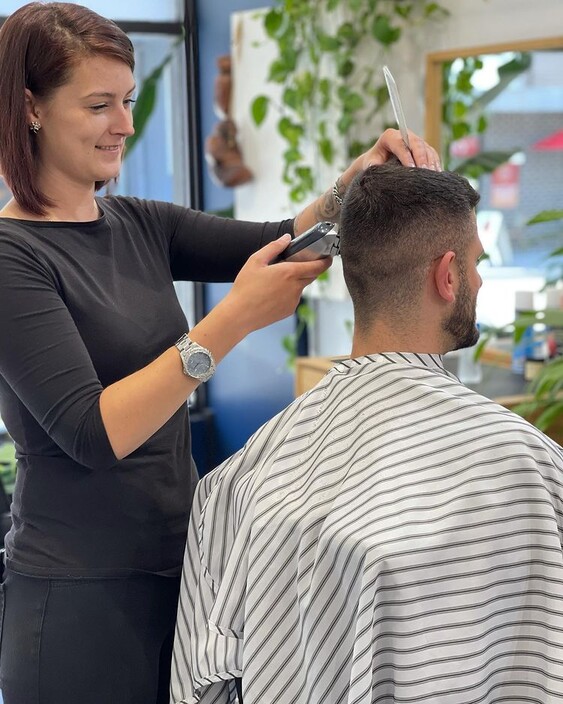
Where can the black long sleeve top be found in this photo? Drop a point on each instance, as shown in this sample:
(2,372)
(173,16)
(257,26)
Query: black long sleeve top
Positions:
(83,305)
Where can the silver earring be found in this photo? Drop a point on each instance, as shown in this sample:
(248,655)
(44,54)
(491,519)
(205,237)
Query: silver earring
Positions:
(35,126)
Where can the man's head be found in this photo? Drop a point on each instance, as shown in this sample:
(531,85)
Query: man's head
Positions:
(410,248)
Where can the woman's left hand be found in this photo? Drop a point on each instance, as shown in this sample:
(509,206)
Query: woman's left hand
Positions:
(391,144)
(327,206)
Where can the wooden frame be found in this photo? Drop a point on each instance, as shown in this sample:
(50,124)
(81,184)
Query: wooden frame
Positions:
(433,84)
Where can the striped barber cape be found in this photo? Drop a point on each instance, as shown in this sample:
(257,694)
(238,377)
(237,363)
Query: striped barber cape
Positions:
(391,536)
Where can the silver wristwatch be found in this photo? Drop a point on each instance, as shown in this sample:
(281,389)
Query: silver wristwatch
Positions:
(197,361)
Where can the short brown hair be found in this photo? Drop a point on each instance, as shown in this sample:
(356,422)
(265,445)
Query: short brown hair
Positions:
(395,222)
(40,44)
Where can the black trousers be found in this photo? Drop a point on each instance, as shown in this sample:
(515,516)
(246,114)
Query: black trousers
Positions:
(90,641)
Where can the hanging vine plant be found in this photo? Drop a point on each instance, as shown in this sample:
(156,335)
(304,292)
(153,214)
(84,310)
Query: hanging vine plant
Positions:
(330,97)
(332,102)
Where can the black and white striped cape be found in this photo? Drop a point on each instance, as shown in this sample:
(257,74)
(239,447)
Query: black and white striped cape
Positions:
(391,536)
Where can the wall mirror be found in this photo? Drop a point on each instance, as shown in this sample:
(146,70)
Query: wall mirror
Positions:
(488,102)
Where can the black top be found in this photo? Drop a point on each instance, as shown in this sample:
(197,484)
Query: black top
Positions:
(81,306)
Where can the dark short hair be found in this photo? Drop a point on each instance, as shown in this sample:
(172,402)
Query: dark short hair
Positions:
(395,222)
(40,44)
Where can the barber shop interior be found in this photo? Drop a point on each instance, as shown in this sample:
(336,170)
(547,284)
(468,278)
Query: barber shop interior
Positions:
(281,362)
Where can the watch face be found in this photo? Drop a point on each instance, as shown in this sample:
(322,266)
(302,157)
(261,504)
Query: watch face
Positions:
(198,364)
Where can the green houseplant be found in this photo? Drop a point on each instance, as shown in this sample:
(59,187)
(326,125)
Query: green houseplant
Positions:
(543,405)
(331,103)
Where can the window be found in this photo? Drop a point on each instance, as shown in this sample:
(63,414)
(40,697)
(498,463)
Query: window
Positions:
(147,10)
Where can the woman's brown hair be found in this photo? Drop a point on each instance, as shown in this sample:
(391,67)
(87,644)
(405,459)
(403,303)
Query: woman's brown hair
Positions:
(40,44)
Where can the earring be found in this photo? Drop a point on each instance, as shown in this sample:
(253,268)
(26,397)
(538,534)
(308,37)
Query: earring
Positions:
(35,126)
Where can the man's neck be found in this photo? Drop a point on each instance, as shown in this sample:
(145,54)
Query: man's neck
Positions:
(385,337)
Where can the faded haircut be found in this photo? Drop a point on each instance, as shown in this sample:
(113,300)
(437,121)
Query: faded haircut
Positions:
(395,222)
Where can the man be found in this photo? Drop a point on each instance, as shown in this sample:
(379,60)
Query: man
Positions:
(391,536)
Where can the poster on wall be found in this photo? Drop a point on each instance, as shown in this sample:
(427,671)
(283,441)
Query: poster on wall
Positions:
(465,147)
(505,186)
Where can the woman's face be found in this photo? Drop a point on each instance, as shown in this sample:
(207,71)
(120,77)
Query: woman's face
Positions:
(84,123)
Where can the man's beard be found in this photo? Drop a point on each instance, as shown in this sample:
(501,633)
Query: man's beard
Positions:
(461,324)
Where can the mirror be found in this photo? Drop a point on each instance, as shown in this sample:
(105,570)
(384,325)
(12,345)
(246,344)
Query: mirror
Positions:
(495,113)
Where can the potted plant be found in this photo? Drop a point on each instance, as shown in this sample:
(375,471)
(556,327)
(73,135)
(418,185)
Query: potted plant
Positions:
(544,407)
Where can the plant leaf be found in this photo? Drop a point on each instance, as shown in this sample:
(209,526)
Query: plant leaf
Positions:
(327,150)
(324,90)
(146,100)
(328,43)
(347,33)
(384,32)
(344,123)
(460,129)
(486,162)
(305,313)
(527,408)
(553,318)
(547,216)
(279,71)
(260,109)
(482,124)
(291,98)
(459,109)
(433,8)
(273,22)
(290,131)
(292,155)
(522,323)
(480,346)
(550,375)
(549,416)
(344,66)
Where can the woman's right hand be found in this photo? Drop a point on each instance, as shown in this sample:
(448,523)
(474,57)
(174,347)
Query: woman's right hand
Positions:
(264,293)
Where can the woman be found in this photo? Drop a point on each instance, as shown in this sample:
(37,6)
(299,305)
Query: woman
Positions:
(96,366)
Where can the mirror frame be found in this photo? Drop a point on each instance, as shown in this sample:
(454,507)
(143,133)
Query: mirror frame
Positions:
(433,84)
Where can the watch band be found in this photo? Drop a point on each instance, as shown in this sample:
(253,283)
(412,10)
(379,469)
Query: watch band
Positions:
(197,361)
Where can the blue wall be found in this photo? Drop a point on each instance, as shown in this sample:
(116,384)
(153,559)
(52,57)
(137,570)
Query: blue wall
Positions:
(251,384)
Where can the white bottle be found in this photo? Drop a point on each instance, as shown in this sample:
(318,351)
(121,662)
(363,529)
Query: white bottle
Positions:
(554,302)
(524,305)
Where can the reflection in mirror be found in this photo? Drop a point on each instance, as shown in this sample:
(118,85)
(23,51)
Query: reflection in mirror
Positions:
(496,115)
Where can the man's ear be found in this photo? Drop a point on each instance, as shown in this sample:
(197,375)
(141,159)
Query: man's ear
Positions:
(31,106)
(445,277)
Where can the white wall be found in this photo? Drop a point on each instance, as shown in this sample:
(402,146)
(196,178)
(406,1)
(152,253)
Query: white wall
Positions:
(262,147)
(476,22)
